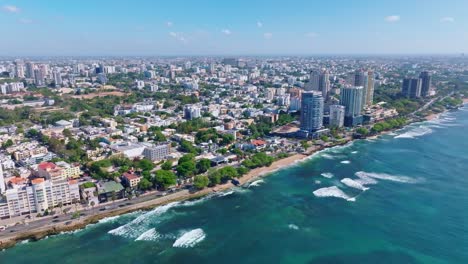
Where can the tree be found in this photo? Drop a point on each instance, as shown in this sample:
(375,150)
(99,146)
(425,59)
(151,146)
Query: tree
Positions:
(67,133)
(186,169)
(7,143)
(362,131)
(201,182)
(113,196)
(214,178)
(167,165)
(144,164)
(203,165)
(227,173)
(187,157)
(144,184)
(164,179)
(242,170)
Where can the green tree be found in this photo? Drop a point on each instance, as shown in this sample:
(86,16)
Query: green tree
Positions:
(201,182)
(203,165)
(167,165)
(7,143)
(144,184)
(144,164)
(186,169)
(164,179)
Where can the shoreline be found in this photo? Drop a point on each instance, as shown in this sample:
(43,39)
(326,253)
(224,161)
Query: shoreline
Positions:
(48,230)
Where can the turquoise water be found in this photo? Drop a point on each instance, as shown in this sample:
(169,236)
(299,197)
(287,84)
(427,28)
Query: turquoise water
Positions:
(416,211)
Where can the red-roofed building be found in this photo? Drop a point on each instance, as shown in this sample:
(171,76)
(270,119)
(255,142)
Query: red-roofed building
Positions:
(130,179)
(50,171)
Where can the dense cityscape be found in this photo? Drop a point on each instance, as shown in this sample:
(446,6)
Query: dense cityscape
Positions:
(81,132)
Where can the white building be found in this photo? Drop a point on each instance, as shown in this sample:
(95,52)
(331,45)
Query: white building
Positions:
(337,114)
(159,152)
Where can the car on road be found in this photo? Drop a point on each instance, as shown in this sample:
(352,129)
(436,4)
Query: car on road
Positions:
(2,228)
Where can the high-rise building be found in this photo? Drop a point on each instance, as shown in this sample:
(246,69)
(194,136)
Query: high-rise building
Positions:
(361,79)
(19,70)
(159,152)
(426,78)
(411,87)
(57,78)
(30,70)
(191,112)
(351,99)
(319,81)
(38,77)
(2,180)
(370,88)
(337,115)
(311,111)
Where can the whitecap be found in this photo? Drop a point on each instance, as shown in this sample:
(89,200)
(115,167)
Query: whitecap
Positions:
(354,184)
(256,183)
(345,162)
(222,194)
(354,152)
(385,176)
(108,219)
(293,226)
(318,182)
(327,175)
(416,132)
(190,238)
(333,192)
(149,235)
(326,156)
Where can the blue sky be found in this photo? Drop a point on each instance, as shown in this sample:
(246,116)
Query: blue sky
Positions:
(241,27)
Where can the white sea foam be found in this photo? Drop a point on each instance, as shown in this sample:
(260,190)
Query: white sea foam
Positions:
(190,238)
(293,226)
(149,235)
(108,219)
(354,184)
(416,132)
(385,176)
(318,182)
(345,162)
(327,156)
(354,152)
(333,192)
(327,175)
(256,183)
(24,241)
(222,194)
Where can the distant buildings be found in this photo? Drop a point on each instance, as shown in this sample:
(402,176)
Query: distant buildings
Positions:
(192,112)
(411,87)
(351,99)
(319,81)
(426,79)
(312,111)
(370,88)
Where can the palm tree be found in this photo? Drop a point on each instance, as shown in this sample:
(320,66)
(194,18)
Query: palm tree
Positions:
(92,205)
(60,204)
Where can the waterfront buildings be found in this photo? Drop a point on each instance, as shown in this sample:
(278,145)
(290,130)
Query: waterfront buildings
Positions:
(411,87)
(312,111)
(351,99)
(337,115)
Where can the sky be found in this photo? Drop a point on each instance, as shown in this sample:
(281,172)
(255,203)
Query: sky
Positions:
(228,27)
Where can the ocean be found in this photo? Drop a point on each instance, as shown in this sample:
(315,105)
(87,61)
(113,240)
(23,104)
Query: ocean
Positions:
(401,198)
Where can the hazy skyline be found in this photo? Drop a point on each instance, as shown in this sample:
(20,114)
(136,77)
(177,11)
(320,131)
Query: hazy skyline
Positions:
(142,27)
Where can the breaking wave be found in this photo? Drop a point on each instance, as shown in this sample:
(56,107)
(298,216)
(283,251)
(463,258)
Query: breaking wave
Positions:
(345,162)
(385,176)
(354,184)
(326,156)
(293,227)
(149,235)
(256,183)
(327,175)
(333,192)
(190,238)
(415,132)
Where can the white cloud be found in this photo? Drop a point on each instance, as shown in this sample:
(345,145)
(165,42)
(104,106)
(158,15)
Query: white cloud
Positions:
(267,35)
(311,34)
(11,9)
(393,18)
(259,24)
(169,24)
(226,32)
(25,21)
(447,19)
(178,36)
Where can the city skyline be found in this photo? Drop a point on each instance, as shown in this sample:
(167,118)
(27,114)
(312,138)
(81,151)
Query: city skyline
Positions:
(242,28)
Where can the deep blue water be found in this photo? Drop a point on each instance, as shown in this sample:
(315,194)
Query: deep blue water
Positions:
(416,211)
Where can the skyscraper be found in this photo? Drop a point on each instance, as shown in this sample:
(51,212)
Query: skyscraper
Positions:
(361,79)
(19,69)
(38,77)
(311,111)
(57,78)
(30,70)
(351,99)
(411,87)
(370,88)
(319,81)
(426,78)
